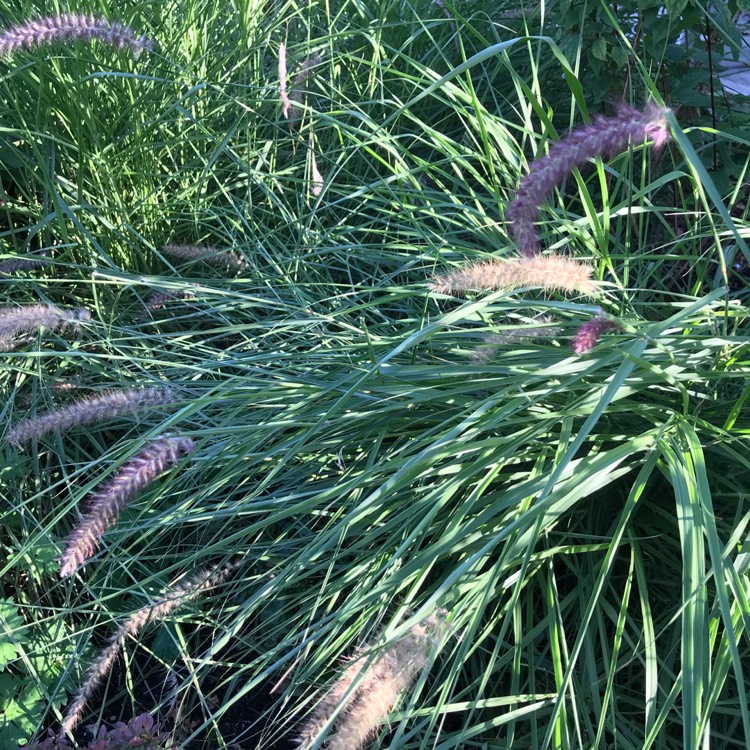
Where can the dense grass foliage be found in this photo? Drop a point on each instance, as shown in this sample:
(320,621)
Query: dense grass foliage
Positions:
(362,452)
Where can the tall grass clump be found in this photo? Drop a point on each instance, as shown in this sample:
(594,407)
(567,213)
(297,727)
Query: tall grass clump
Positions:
(575,503)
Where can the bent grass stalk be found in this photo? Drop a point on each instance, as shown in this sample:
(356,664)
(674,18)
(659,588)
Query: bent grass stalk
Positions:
(181,593)
(107,504)
(89,411)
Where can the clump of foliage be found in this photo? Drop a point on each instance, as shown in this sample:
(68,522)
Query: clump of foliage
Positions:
(576,518)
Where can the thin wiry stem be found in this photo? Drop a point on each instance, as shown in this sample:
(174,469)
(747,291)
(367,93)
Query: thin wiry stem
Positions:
(70,27)
(89,411)
(106,505)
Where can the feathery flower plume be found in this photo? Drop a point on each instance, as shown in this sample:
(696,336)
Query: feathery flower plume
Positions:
(605,137)
(20,320)
(550,272)
(159,299)
(181,593)
(226,258)
(380,682)
(89,411)
(316,177)
(540,329)
(22,264)
(106,505)
(306,69)
(69,27)
(286,104)
(590,332)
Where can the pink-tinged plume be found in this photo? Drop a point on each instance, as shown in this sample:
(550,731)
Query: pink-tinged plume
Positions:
(181,593)
(70,27)
(379,682)
(605,137)
(590,332)
(106,505)
(89,411)
(549,272)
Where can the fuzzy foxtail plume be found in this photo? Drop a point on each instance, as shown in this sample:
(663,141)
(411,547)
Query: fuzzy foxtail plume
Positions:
(107,504)
(549,272)
(181,593)
(70,27)
(89,411)
(380,682)
(604,137)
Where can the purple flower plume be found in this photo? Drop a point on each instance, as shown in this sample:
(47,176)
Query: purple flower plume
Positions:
(605,137)
(590,332)
(69,27)
(89,411)
(107,504)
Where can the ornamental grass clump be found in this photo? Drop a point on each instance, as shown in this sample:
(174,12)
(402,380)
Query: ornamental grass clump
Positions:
(89,411)
(604,137)
(106,505)
(20,321)
(369,687)
(70,27)
(180,593)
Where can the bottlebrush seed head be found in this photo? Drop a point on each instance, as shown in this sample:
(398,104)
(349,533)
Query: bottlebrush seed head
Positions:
(89,411)
(70,27)
(590,332)
(549,272)
(604,137)
(107,504)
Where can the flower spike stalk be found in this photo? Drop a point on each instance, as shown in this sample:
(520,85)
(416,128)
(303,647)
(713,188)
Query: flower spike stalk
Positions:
(604,137)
